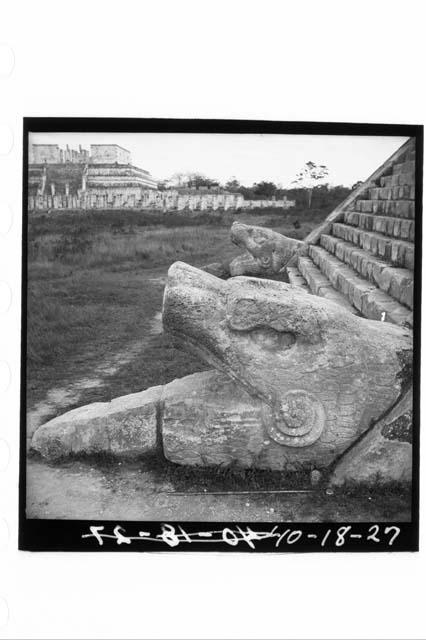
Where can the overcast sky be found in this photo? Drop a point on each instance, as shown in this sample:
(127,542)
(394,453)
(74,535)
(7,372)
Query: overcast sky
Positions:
(247,157)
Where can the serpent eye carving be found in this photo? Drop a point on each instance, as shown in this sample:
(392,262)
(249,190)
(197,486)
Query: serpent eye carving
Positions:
(265,261)
(271,340)
(298,421)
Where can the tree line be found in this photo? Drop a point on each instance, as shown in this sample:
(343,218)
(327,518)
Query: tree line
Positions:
(309,187)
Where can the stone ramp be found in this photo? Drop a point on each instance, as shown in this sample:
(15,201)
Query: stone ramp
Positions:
(363,258)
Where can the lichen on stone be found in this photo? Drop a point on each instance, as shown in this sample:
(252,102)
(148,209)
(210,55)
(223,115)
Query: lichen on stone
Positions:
(400,429)
(405,375)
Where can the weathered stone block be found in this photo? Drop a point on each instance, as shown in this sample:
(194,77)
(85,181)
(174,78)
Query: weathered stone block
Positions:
(398,283)
(406,179)
(374,193)
(384,454)
(404,209)
(394,227)
(352,218)
(124,426)
(208,420)
(296,278)
(406,230)
(409,166)
(383,193)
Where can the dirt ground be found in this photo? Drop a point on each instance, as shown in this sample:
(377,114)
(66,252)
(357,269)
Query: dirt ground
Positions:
(82,490)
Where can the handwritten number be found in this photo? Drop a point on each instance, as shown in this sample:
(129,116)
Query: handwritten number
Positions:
(172,538)
(324,540)
(294,536)
(121,539)
(281,538)
(168,535)
(95,532)
(396,530)
(373,536)
(230,537)
(341,533)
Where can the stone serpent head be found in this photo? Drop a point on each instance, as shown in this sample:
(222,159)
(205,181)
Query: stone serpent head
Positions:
(266,251)
(315,367)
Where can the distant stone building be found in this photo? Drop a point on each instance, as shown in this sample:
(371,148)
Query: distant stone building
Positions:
(109,154)
(69,178)
(105,178)
(52,154)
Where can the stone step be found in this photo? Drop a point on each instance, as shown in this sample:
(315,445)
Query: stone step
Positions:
(399,253)
(389,181)
(394,178)
(408,166)
(364,296)
(320,285)
(394,208)
(393,227)
(295,278)
(397,282)
(392,192)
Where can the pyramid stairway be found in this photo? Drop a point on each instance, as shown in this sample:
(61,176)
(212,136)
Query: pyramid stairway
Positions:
(362,257)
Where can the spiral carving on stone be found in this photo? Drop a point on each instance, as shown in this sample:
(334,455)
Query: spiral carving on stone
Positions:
(298,421)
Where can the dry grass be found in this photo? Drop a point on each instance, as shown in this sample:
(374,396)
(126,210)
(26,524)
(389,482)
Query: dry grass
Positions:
(146,248)
(94,288)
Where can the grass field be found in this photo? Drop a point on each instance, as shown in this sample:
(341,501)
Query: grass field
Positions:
(95,282)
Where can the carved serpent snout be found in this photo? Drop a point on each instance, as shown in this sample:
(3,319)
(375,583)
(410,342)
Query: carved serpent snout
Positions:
(259,246)
(257,241)
(266,251)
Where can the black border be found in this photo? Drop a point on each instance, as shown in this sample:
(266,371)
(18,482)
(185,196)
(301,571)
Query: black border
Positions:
(65,535)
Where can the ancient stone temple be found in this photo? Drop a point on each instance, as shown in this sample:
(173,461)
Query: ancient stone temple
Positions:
(71,179)
(309,362)
(362,257)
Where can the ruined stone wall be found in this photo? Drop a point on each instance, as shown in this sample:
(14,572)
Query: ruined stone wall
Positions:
(107,176)
(52,154)
(48,179)
(109,193)
(265,204)
(109,154)
(73,156)
(41,153)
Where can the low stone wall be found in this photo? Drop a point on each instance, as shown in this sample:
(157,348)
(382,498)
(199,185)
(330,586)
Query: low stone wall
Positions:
(133,197)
